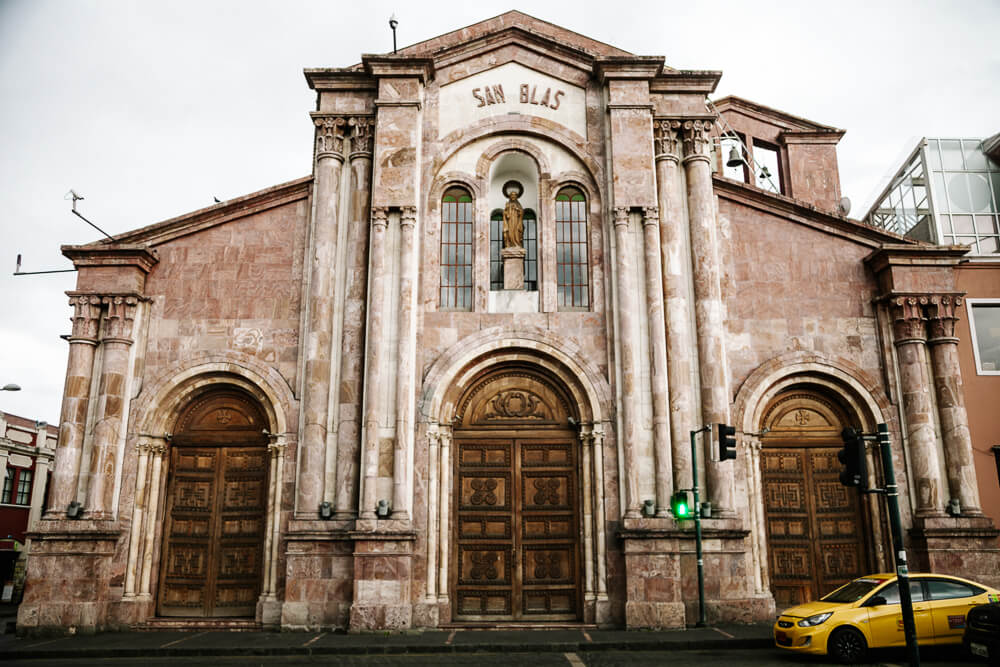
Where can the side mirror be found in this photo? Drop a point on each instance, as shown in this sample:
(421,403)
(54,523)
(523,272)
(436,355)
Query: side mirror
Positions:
(876,601)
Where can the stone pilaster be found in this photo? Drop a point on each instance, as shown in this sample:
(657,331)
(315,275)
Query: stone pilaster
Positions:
(318,346)
(677,304)
(712,361)
(402,491)
(629,369)
(116,339)
(658,357)
(951,403)
(76,402)
(373,372)
(910,338)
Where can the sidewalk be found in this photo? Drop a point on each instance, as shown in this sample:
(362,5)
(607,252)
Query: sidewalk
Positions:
(170,643)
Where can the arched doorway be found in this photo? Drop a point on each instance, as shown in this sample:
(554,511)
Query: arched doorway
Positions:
(815,527)
(516,500)
(216,503)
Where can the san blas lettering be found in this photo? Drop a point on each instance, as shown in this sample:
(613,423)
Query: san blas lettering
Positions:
(528,95)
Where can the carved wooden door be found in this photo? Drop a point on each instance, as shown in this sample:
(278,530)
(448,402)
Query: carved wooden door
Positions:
(211,564)
(814,524)
(517,524)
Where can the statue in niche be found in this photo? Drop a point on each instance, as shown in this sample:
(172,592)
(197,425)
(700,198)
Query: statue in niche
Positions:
(513,216)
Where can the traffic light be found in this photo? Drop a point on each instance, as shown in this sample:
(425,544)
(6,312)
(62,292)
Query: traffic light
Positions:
(727,442)
(855,472)
(680,506)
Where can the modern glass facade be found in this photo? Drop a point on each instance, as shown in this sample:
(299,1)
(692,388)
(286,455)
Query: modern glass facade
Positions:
(947,192)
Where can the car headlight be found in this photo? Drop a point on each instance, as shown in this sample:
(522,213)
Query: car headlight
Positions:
(815,620)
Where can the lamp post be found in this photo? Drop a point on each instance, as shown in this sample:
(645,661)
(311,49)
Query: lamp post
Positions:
(392,24)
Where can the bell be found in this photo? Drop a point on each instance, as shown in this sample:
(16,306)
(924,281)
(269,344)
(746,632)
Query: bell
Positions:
(764,173)
(734,158)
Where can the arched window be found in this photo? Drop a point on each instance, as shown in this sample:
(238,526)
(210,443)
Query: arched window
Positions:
(456,250)
(572,276)
(530,250)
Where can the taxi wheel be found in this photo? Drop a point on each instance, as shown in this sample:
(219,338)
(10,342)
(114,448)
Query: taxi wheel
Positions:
(846,645)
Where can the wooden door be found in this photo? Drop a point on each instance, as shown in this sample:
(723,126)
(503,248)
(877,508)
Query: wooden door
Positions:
(517,544)
(815,528)
(211,564)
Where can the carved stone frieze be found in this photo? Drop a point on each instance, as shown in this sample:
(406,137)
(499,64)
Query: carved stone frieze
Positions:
(330,132)
(941,318)
(908,318)
(697,138)
(362,135)
(86,315)
(666,138)
(119,318)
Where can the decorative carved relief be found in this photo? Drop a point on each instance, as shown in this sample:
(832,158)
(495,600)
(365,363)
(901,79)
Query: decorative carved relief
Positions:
(651,215)
(697,139)
(86,315)
(621,215)
(547,491)
(666,138)
(516,404)
(941,317)
(513,396)
(484,565)
(380,217)
(362,135)
(120,317)
(408,216)
(484,492)
(908,318)
(330,136)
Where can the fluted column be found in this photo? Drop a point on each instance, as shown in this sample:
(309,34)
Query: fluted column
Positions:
(319,327)
(677,304)
(345,494)
(76,402)
(626,348)
(658,356)
(712,362)
(951,403)
(116,339)
(910,339)
(373,362)
(405,351)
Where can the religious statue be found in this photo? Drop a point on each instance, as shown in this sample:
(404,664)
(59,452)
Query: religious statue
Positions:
(513,216)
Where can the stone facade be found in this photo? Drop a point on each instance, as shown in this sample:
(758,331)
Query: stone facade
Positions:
(368,313)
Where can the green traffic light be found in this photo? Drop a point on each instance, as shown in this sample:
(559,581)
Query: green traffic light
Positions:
(679,505)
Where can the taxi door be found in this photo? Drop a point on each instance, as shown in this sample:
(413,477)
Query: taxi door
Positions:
(950,602)
(885,621)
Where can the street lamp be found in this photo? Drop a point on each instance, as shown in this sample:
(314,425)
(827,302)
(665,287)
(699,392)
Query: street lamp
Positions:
(11,387)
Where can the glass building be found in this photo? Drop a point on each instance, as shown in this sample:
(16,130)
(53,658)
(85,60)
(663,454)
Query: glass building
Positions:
(946,192)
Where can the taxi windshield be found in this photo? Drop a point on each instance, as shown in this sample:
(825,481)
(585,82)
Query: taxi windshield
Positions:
(853,591)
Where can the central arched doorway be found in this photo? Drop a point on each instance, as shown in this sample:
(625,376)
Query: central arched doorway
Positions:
(516,500)
(213,537)
(816,530)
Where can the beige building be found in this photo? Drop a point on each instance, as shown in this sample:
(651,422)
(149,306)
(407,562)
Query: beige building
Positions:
(451,376)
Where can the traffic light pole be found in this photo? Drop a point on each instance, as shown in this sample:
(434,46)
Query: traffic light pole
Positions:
(902,572)
(697,525)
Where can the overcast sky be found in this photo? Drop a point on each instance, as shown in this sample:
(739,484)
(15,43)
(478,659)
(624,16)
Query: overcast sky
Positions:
(151,109)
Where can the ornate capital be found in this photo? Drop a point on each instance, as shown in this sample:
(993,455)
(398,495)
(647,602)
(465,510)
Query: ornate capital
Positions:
(330,136)
(86,315)
(408,216)
(651,215)
(157,449)
(143,447)
(362,135)
(120,317)
(277,449)
(908,319)
(380,217)
(666,138)
(621,215)
(696,138)
(941,318)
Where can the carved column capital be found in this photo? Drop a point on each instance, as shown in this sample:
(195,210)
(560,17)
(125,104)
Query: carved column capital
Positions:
(408,216)
(666,139)
(157,448)
(697,139)
(941,318)
(330,136)
(380,217)
(277,449)
(86,315)
(621,215)
(908,319)
(362,136)
(651,215)
(119,319)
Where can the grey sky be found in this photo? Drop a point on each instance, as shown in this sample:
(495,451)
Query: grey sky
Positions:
(149,109)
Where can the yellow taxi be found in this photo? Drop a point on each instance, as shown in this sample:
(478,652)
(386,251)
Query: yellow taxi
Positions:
(865,613)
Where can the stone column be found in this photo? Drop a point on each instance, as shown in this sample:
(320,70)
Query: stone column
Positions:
(586,445)
(157,451)
(139,499)
(626,348)
(601,537)
(345,495)
(677,304)
(42,464)
(951,403)
(76,402)
(433,440)
(373,361)
(910,338)
(708,305)
(658,356)
(319,326)
(116,339)
(272,532)
(444,539)
(402,492)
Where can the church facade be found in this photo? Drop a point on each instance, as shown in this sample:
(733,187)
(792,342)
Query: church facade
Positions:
(452,376)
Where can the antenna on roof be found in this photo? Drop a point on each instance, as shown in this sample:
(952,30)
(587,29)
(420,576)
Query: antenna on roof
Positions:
(72,194)
(392,24)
